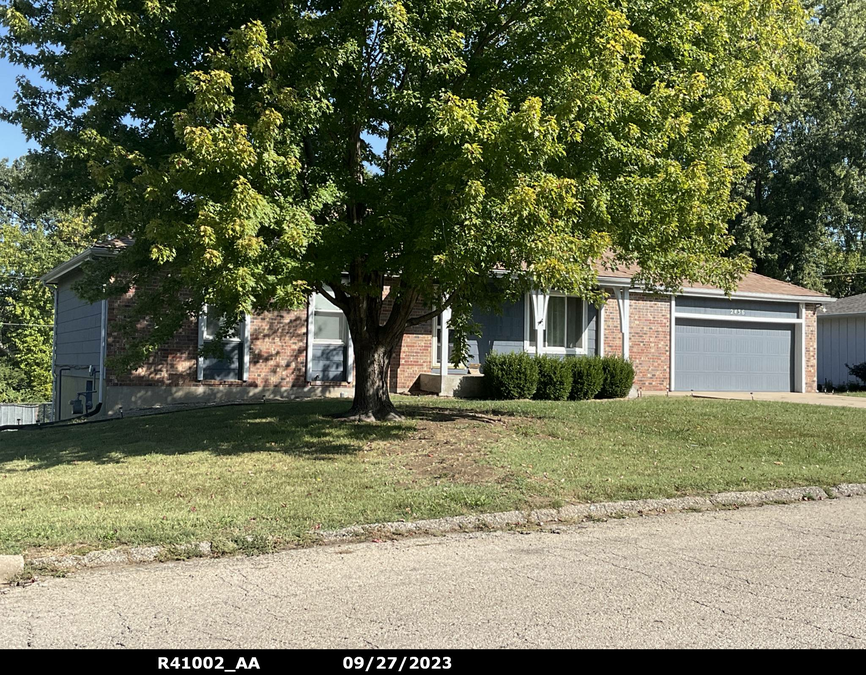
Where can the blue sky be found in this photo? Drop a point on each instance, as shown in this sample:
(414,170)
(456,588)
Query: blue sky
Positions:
(12,141)
(13,144)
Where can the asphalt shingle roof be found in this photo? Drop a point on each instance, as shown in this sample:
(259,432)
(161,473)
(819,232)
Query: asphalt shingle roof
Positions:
(855,304)
(751,283)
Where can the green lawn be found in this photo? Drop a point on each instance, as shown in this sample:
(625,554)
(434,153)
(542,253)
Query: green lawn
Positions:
(274,472)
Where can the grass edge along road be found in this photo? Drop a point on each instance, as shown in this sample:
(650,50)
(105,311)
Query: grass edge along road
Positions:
(259,477)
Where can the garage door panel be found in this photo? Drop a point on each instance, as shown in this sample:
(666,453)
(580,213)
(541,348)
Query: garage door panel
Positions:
(719,356)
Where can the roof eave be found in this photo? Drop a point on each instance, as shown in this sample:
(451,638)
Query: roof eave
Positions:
(56,274)
(746,295)
(840,315)
(717,292)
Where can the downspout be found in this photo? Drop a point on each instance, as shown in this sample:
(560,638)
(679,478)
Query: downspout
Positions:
(102,352)
(672,385)
(623,304)
(55,384)
(801,355)
(599,333)
(444,318)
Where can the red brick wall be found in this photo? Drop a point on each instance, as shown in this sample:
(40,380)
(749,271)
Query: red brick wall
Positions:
(612,332)
(278,344)
(278,349)
(173,364)
(413,355)
(811,348)
(650,341)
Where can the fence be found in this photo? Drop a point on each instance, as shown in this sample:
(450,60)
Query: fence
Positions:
(15,414)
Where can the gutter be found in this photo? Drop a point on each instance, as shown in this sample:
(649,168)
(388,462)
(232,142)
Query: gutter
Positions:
(840,315)
(620,282)
(63,269)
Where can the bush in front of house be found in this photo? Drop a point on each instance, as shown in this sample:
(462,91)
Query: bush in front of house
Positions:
(510,376)
(587,377)
(618,377)
(858,370)
(554,379)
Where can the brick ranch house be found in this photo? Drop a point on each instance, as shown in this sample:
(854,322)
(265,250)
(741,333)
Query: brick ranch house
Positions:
(763,338)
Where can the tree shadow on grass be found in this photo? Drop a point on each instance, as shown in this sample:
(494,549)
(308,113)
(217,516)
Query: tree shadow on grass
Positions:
(300,429)
(303,429)
(433,414)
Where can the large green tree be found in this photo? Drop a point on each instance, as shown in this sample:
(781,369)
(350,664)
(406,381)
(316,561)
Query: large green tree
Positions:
(806,215)
(260,150)
(31,243)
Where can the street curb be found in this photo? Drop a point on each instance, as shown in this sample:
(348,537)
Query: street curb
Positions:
(581,512)
(120,556)
(489,521)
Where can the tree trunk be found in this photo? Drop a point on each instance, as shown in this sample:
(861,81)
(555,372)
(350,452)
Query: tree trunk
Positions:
(372,398)
(375,335)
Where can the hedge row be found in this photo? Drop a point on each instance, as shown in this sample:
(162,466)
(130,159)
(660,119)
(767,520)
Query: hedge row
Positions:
(547,378)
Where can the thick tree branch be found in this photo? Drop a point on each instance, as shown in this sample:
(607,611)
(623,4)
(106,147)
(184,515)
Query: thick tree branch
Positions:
(414,321)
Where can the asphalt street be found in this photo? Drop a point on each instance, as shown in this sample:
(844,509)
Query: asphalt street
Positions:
(774,576)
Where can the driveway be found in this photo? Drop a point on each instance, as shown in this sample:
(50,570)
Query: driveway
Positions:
(839,400)
(775,576)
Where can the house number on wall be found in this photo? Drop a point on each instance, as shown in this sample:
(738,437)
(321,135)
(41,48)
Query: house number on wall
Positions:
(738,312)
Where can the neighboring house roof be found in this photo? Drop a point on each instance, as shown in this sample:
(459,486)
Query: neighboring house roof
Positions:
(855,304)
(115,244)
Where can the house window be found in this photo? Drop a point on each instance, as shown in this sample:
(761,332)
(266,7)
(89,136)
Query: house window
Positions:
(329,322)
(233,364)
(565,325)
(329,345)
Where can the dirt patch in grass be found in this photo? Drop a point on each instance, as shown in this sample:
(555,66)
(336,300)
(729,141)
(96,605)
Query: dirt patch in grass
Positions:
(453,452)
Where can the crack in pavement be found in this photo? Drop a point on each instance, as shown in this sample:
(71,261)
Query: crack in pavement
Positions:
(746,578)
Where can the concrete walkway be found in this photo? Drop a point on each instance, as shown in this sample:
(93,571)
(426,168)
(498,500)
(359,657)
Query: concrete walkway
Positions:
(772,576)
(839,400)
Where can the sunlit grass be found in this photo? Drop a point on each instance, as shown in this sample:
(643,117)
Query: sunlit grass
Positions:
(279,471)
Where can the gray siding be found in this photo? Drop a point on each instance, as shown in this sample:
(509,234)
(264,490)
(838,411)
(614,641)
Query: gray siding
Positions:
(505,333)
(841,340)
(591,330)
(502,333)
(78,338)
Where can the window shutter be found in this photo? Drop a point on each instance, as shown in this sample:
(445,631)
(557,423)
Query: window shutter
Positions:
(245,369)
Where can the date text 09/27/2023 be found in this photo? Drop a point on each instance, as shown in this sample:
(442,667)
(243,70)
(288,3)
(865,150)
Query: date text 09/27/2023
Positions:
(398,664)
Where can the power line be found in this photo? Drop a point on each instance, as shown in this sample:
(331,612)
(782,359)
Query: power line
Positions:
(847,274)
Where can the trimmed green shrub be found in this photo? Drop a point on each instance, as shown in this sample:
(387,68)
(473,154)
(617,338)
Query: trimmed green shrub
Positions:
(618,377)
(587,377)
(554,379)
(858,370)
(510,376)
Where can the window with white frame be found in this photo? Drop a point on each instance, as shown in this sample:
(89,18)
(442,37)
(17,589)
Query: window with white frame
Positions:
(565,326)
(233,362)
(329,344)
(329,322)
